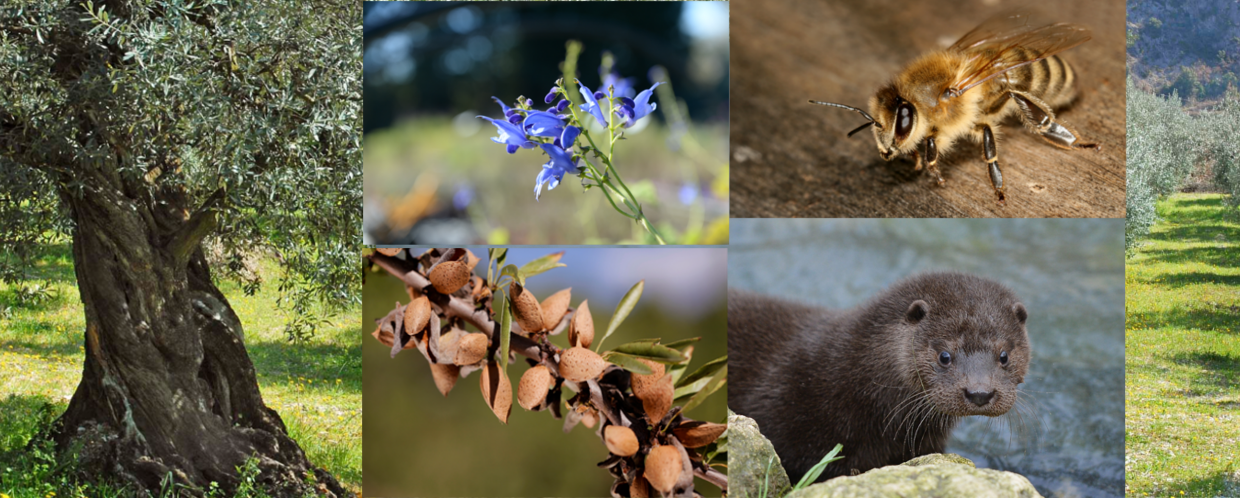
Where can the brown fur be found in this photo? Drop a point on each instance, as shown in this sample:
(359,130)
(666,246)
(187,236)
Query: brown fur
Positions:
(870,377)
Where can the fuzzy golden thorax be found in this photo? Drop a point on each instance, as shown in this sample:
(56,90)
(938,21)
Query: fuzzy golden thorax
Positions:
(922,88)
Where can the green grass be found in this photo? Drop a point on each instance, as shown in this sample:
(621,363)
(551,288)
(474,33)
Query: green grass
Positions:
(1183,352)
(316,386)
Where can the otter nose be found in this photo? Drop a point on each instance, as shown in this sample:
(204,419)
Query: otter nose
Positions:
(979,398)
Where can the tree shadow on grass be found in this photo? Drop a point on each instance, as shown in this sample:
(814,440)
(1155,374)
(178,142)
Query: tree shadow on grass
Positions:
(1212,318)
(276,360)
(1222,483)
(65,344)
(1196,278)
(1222,372)
(1197,231)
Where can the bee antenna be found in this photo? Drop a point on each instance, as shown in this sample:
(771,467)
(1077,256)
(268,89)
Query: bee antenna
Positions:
(859,128)
(851,108)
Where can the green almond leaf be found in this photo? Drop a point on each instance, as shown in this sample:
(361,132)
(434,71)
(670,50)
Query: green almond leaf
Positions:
(677,371)
(627,362)
(622,311)
(548,262)
(651,351)
(719,380)
(512,271)
(683,343)
(505,327)
(683,393)
(705,371)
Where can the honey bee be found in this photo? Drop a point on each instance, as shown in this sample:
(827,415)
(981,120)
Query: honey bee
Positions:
(1005,66)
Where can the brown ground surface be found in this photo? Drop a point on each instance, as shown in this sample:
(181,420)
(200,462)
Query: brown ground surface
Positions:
(791,158)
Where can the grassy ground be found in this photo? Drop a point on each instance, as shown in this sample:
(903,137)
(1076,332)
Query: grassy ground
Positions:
(1183,352)
(315,386)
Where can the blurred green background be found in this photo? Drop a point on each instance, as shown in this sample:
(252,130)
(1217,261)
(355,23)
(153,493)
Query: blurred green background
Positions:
(432,174)
(423,444)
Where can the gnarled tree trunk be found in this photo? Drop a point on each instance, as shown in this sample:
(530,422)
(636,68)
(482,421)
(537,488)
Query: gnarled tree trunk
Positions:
(167,389)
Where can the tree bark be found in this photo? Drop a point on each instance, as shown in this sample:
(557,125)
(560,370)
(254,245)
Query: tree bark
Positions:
(168,391)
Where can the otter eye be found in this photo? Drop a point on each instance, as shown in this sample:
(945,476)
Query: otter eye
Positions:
(1003,358)
(904,120)
(945,358)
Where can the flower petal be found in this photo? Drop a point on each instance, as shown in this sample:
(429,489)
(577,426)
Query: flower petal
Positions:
(542,124)
(501,105)
(569,137)
(509,134)
(591,106)
(642,105)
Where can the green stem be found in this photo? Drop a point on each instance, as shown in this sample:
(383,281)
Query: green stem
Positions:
(605,184)
(605,180)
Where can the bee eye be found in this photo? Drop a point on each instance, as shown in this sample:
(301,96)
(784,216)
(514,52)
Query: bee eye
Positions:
(904,120)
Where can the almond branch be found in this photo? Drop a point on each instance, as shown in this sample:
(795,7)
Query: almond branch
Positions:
(453,306)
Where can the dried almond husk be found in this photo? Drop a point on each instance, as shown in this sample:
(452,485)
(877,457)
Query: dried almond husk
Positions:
(450,276)
(639,488)
(642,383)
(581,329)
(555,307)
(581,364)
(657,399)
(471,349)
(385,336)
(525,308)
(496,390)
(589,418)
(481,291)
(470,260)
(417,315)
(698,433)
(620,440)
(445,376)
(532,390)
(663,468)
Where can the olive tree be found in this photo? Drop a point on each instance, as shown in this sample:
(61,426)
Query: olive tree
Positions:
(137,129)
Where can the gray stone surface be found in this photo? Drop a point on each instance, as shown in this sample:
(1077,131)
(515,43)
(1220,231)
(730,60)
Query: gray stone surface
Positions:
(937,475)
(752,461)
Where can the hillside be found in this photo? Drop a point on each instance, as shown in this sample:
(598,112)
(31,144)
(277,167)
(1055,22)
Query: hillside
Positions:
(1191,47)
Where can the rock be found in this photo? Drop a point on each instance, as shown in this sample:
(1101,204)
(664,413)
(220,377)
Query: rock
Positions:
(937,458)
(748,456)
(928,475)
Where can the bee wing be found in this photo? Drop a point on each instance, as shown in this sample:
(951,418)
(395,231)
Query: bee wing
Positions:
(993,46)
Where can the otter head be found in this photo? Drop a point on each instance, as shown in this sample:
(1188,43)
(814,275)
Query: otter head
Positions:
(970,345)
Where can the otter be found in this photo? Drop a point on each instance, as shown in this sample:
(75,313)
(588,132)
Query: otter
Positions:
(888,379)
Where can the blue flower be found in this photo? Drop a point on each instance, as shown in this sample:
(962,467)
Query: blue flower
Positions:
(688,193)
(561,162)
(509,134)
(568,137)
(633,110)
(508,111)
(542,124)
(591,105)
(463,196)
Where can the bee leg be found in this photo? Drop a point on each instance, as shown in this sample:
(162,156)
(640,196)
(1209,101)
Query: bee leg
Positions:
(932,160)
(991,154)
(1038,115)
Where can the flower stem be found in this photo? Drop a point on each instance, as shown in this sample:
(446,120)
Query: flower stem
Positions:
(605,180)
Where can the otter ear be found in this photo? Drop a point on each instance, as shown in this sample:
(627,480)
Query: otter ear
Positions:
(917,311)
(1021,314)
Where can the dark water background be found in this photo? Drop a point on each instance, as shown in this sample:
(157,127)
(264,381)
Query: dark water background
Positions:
(1068,273)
